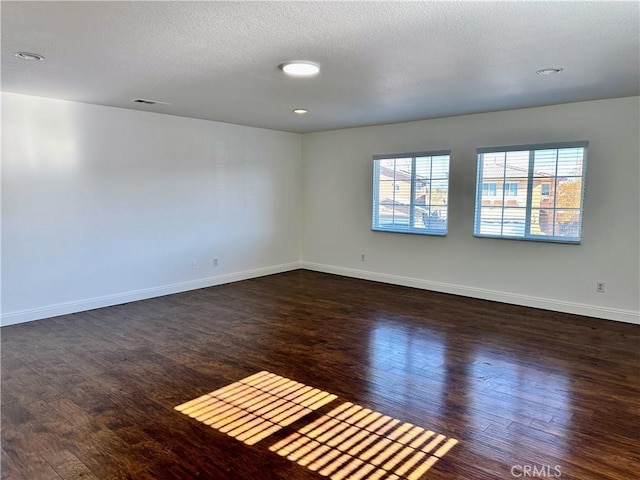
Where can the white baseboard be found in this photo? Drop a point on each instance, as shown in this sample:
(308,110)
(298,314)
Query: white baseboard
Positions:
(21,316)
(628,316)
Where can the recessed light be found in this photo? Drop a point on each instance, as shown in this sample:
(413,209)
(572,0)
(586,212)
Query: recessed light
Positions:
(29,56)
(300,111)
(300,68)
(549,71)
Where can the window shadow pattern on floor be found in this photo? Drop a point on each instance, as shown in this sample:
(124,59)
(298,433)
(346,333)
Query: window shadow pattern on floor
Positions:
(349,442)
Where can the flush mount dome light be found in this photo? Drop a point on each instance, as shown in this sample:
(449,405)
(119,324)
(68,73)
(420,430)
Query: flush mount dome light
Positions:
(29,56)
(549,71)
(300,69)
(300,111)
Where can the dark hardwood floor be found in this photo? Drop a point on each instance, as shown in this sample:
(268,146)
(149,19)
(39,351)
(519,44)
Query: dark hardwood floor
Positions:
(527,393)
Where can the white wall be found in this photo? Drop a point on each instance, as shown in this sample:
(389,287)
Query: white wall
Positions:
(337,178)
(103,205)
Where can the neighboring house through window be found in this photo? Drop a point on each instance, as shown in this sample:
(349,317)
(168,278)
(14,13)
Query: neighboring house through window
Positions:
(539,194)
(410,192)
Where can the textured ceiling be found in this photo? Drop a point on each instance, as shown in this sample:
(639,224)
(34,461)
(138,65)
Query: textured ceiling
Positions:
(382,62)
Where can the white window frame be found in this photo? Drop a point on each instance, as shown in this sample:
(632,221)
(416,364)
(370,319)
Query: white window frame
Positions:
(411,228)
(528,236)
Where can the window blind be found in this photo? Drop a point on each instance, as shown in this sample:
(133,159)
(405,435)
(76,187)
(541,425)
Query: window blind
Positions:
(532,192)
(410,192)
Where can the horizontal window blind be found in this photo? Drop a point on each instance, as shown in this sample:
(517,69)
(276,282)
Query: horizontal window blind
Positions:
(410,192)
(532,192)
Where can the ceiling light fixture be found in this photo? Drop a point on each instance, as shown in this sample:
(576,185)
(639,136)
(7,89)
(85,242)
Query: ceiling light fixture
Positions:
(29,56)
(300,68)
(300,111)
(549,71)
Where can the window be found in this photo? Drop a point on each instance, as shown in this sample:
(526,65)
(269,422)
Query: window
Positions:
(545,189)
(489,189)
(542,194)
(410,192)
(511,189)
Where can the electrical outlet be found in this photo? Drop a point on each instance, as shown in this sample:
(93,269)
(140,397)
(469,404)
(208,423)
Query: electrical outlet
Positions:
(600,287)
(194,265)
(362,257)
(215,262)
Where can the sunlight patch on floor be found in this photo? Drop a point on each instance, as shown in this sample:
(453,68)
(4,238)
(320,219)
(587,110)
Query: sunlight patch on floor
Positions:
(350,442)
(256,407)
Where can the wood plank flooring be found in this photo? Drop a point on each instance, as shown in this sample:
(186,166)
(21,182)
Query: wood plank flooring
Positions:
(526,393)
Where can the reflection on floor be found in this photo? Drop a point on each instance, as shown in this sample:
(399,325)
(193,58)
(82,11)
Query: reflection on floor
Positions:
(349,442)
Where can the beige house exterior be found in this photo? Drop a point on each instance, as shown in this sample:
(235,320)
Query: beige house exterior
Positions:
(504,193)
(394,200)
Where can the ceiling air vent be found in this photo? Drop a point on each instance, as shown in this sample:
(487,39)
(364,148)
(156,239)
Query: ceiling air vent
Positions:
(148,102)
